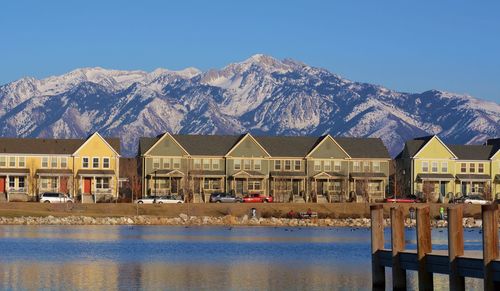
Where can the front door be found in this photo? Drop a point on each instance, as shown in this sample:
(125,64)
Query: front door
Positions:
(320,185)
(175,186)
(86,185)
(2,184)
(63,184)
(295,187)
(239,186)
(443,189)
(464,189)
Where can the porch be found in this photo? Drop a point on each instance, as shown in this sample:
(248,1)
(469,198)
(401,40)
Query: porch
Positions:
(54,180)
(204,183)
(248,182)
(99,184)
(434,187)
(368,186)
(329,187)
(470,184)
(15,184)
(288,186)
(165,182)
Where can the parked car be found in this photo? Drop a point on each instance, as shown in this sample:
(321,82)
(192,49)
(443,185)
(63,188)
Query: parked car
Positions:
(475,199)
(257,198)
(401,200)
(55,197)
(222,197)
(159,200)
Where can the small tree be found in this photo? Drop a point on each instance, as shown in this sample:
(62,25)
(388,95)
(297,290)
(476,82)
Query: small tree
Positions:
(427,189)
(487,192)
(362,189)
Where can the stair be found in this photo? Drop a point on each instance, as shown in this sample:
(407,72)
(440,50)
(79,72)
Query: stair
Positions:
(3,198)
(321,199)
(298,199)
(87,198)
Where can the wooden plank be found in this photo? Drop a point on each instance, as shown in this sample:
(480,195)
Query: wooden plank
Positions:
(397,245)
(490,244)
(377,233)
(455,246)
(424,246)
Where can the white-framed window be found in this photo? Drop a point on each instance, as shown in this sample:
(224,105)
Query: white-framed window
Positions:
(3,161)
(337,166)
(197,164)
(20,182)
(64,162)
(257,165)
(95,163)
(22,163)
(247,164)
(156,163)
(176,162)
(472,167)
(297,165)
(366,166)
(12,162)
(215,164)
(105,163)
(166,163)
(480,168)
(376,166)
(463,167)
(206,164)
(44,183)
(434,167)
(237,164)
(277,165)
(356,167)
(288,165)
(317,165)
(85,162)
(254,184)
(53,162)
(327,166)
(444,167)
(425,167)
(102,183)
(12,182)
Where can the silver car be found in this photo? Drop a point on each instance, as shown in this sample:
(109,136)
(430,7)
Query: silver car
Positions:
(55,197)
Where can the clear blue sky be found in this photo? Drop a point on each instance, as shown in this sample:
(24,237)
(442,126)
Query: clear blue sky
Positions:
(404,45)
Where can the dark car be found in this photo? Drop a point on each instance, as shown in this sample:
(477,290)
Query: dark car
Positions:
(222,197)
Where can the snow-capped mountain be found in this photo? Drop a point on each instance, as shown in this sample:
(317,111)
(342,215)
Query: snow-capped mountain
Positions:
(262,95)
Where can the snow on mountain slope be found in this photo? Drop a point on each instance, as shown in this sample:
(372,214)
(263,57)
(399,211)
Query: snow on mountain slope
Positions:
(262,95)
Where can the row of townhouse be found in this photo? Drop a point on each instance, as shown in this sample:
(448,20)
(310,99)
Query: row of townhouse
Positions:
(85,168)
(298,168)
(428,166)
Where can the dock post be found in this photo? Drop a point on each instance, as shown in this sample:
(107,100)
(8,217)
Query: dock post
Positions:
(490,244)
(398,244)
(455,245)
(377,228)
(424,246)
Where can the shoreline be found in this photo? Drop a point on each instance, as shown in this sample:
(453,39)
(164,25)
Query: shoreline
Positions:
(228,220)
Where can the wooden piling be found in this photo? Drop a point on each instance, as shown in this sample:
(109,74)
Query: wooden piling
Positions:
(398,245)
(377,229)
(424,247)
(490,244)
(455,245)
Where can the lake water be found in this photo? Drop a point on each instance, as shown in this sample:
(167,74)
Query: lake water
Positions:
(196,258)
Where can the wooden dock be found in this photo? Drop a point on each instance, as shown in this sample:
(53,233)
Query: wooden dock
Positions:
(454,262)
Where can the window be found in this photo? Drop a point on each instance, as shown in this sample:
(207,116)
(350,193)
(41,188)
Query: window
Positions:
(12,182)
(327,166)
(356,167)
(480,168)
(166,163)
(288,165)
(237,164)
(434,167)
(22,162)
(156,163)
(317,165)
(12,161)
(64,163)
(472,167)
(197,164)
(254,184)
(277,165)
(53,162)
(257,165)
(463,167)
(2,162)
(20,182)
(45,183)
(176,163)
(85,163)
(366,166)
(297,165)
(336,166)
(206,164)
(444,167)
(95,163)
(215,164)
(102,183)
(105,163)
(247,164)
(425,166)
(376,167)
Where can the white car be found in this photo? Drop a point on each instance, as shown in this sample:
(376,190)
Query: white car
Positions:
(55,197)
(475,199)
(159,200)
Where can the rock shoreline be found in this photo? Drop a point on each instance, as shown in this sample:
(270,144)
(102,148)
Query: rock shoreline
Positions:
(228,220)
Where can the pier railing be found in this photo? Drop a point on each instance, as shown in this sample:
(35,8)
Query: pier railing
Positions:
(454,262)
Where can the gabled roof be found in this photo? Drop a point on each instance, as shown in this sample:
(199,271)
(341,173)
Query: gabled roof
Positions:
(207,145)
(416,144)
(96,134)
(242,138)
(357,147)
(472,152)
(47,146)
(145,143)
(288,146)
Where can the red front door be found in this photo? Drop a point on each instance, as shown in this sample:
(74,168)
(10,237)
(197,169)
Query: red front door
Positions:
(86,185)
(63,184)
(2,184)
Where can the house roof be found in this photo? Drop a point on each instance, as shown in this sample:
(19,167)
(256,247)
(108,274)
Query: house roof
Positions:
(416,144)
(367,175)
(472,152)
(473,177)
(288,146)
(435,176)
(145,143)
(363,147)
(47,145)
(207,145)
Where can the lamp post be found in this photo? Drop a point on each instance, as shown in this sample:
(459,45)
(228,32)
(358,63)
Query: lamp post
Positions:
(156,189)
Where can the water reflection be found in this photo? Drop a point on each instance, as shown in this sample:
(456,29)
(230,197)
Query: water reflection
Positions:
(197,258)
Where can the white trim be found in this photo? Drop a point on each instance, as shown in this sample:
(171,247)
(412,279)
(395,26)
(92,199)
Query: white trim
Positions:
(109,162)
(498,151)
(90,137)
(442,143)
(98,163)
(48,162)
(160,139)
(241,140)
(88,163)
(321,142)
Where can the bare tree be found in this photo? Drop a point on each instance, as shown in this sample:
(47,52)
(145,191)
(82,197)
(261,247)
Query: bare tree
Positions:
(427,190)
(362,189)
(487,193)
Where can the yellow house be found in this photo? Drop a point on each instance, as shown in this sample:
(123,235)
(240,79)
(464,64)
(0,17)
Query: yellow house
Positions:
(81,168)
(429,166)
